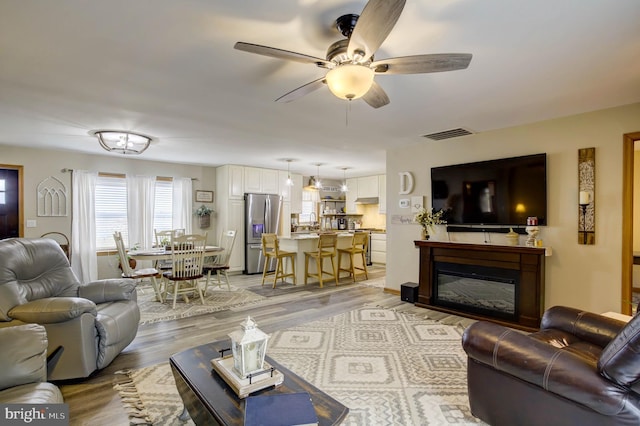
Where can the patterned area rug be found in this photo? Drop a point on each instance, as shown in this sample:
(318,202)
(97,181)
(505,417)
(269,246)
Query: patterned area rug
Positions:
(216,299)
(389,368)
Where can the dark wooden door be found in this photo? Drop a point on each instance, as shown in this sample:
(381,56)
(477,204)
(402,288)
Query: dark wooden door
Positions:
(9,203)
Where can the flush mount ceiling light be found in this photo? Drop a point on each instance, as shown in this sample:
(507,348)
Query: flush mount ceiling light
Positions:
(122,142)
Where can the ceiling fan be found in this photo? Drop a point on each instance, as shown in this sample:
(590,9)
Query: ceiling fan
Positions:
(351,63)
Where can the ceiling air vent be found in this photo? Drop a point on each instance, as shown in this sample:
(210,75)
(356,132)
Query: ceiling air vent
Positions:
(448,134)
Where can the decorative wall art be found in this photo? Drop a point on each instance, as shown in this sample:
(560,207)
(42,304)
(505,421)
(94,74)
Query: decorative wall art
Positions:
(586,196)
(406,183)
(52,197)
(204,196)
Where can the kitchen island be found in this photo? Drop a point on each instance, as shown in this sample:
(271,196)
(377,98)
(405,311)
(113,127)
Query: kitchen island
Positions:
(309,242)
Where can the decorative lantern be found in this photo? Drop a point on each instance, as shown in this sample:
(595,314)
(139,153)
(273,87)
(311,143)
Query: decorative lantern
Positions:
(249,347)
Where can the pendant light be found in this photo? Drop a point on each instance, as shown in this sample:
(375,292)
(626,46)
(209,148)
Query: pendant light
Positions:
(344,187)
(289,180)
(318,184)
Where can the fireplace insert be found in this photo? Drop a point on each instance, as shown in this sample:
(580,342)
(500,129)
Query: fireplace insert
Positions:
(476,289)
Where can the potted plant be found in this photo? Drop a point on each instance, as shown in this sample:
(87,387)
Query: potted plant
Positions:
(204,215)
(427,218)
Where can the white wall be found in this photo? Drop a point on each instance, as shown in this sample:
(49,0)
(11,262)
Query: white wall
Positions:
(41,163)
(587,277)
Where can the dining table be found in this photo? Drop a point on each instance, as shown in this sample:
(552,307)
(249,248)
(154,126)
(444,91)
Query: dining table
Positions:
(161,253)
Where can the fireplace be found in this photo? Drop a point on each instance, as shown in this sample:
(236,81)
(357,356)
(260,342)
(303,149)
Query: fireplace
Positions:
(504,284)
(476,289)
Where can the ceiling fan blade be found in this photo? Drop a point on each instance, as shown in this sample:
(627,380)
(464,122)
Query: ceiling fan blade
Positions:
(374,25)
(282,54)
(376,96)
(422,63)
(301,91)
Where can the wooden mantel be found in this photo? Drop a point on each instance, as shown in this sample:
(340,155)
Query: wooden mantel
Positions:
(529,261)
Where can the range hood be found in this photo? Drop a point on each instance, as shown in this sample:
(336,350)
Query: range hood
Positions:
(367,200)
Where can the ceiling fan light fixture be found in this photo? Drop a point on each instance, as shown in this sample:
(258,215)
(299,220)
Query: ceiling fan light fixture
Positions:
(350,81)
(122,142)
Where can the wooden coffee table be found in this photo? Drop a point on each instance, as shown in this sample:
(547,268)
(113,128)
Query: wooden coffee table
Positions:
(210,400)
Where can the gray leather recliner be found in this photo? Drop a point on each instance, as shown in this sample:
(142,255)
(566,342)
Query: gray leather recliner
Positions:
(23,377)
(93,322)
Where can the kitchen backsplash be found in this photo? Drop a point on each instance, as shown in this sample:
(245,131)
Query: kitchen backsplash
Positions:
(370,216)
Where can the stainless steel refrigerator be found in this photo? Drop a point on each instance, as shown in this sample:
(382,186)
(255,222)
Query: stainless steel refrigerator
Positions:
(262,215)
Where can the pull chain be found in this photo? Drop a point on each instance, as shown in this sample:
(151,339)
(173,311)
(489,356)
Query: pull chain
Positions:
(346,114)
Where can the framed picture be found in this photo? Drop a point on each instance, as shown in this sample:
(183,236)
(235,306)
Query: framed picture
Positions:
(204,196)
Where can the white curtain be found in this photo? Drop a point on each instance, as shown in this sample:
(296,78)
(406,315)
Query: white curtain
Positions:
(182,206)
(141,196)
(84,260)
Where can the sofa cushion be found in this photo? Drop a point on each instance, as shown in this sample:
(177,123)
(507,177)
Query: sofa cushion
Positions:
(620,359)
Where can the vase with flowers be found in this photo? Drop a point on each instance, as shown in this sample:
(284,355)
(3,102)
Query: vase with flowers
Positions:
(427,218)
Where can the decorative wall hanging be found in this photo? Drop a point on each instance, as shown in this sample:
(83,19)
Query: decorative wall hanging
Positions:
(406,183)
(204,196)
(52,197)
(586,196)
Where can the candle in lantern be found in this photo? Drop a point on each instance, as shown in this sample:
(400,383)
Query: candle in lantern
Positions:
(585,197)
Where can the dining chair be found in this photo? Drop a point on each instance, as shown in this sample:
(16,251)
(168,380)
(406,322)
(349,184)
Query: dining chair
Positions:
(271,250)
(220,263)
(187,255)
(326,248)
(359,245)
(139,274)
(162,237)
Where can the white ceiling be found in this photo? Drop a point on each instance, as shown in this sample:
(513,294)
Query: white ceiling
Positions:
(168,69)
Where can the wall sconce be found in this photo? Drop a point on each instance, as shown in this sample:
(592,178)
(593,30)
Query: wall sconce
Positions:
(585,199)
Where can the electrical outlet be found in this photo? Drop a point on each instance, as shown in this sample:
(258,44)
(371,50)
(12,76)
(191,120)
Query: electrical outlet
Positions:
(31,223)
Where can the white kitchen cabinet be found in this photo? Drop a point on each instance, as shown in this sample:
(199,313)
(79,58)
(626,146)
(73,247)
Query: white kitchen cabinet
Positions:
(229,201)
(379,248)
(260,181)
(235,220)
(229,182)
(352,194)
(368,187)
(382,194)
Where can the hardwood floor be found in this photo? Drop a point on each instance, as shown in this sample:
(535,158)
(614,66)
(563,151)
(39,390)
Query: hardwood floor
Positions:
(93,401)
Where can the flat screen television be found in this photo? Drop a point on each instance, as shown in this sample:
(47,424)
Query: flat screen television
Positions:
(496,192)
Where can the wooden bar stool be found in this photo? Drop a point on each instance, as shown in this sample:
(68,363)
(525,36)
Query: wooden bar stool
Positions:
(271,250)
(326,248)
(358,246)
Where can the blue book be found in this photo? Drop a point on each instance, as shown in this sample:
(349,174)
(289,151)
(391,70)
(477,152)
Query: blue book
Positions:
(281,409)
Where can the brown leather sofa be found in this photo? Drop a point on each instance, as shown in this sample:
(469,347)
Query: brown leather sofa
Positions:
(581,368)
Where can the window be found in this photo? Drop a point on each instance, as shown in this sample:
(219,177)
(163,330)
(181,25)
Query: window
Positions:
(111,208)
(310,200)
(163,210)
